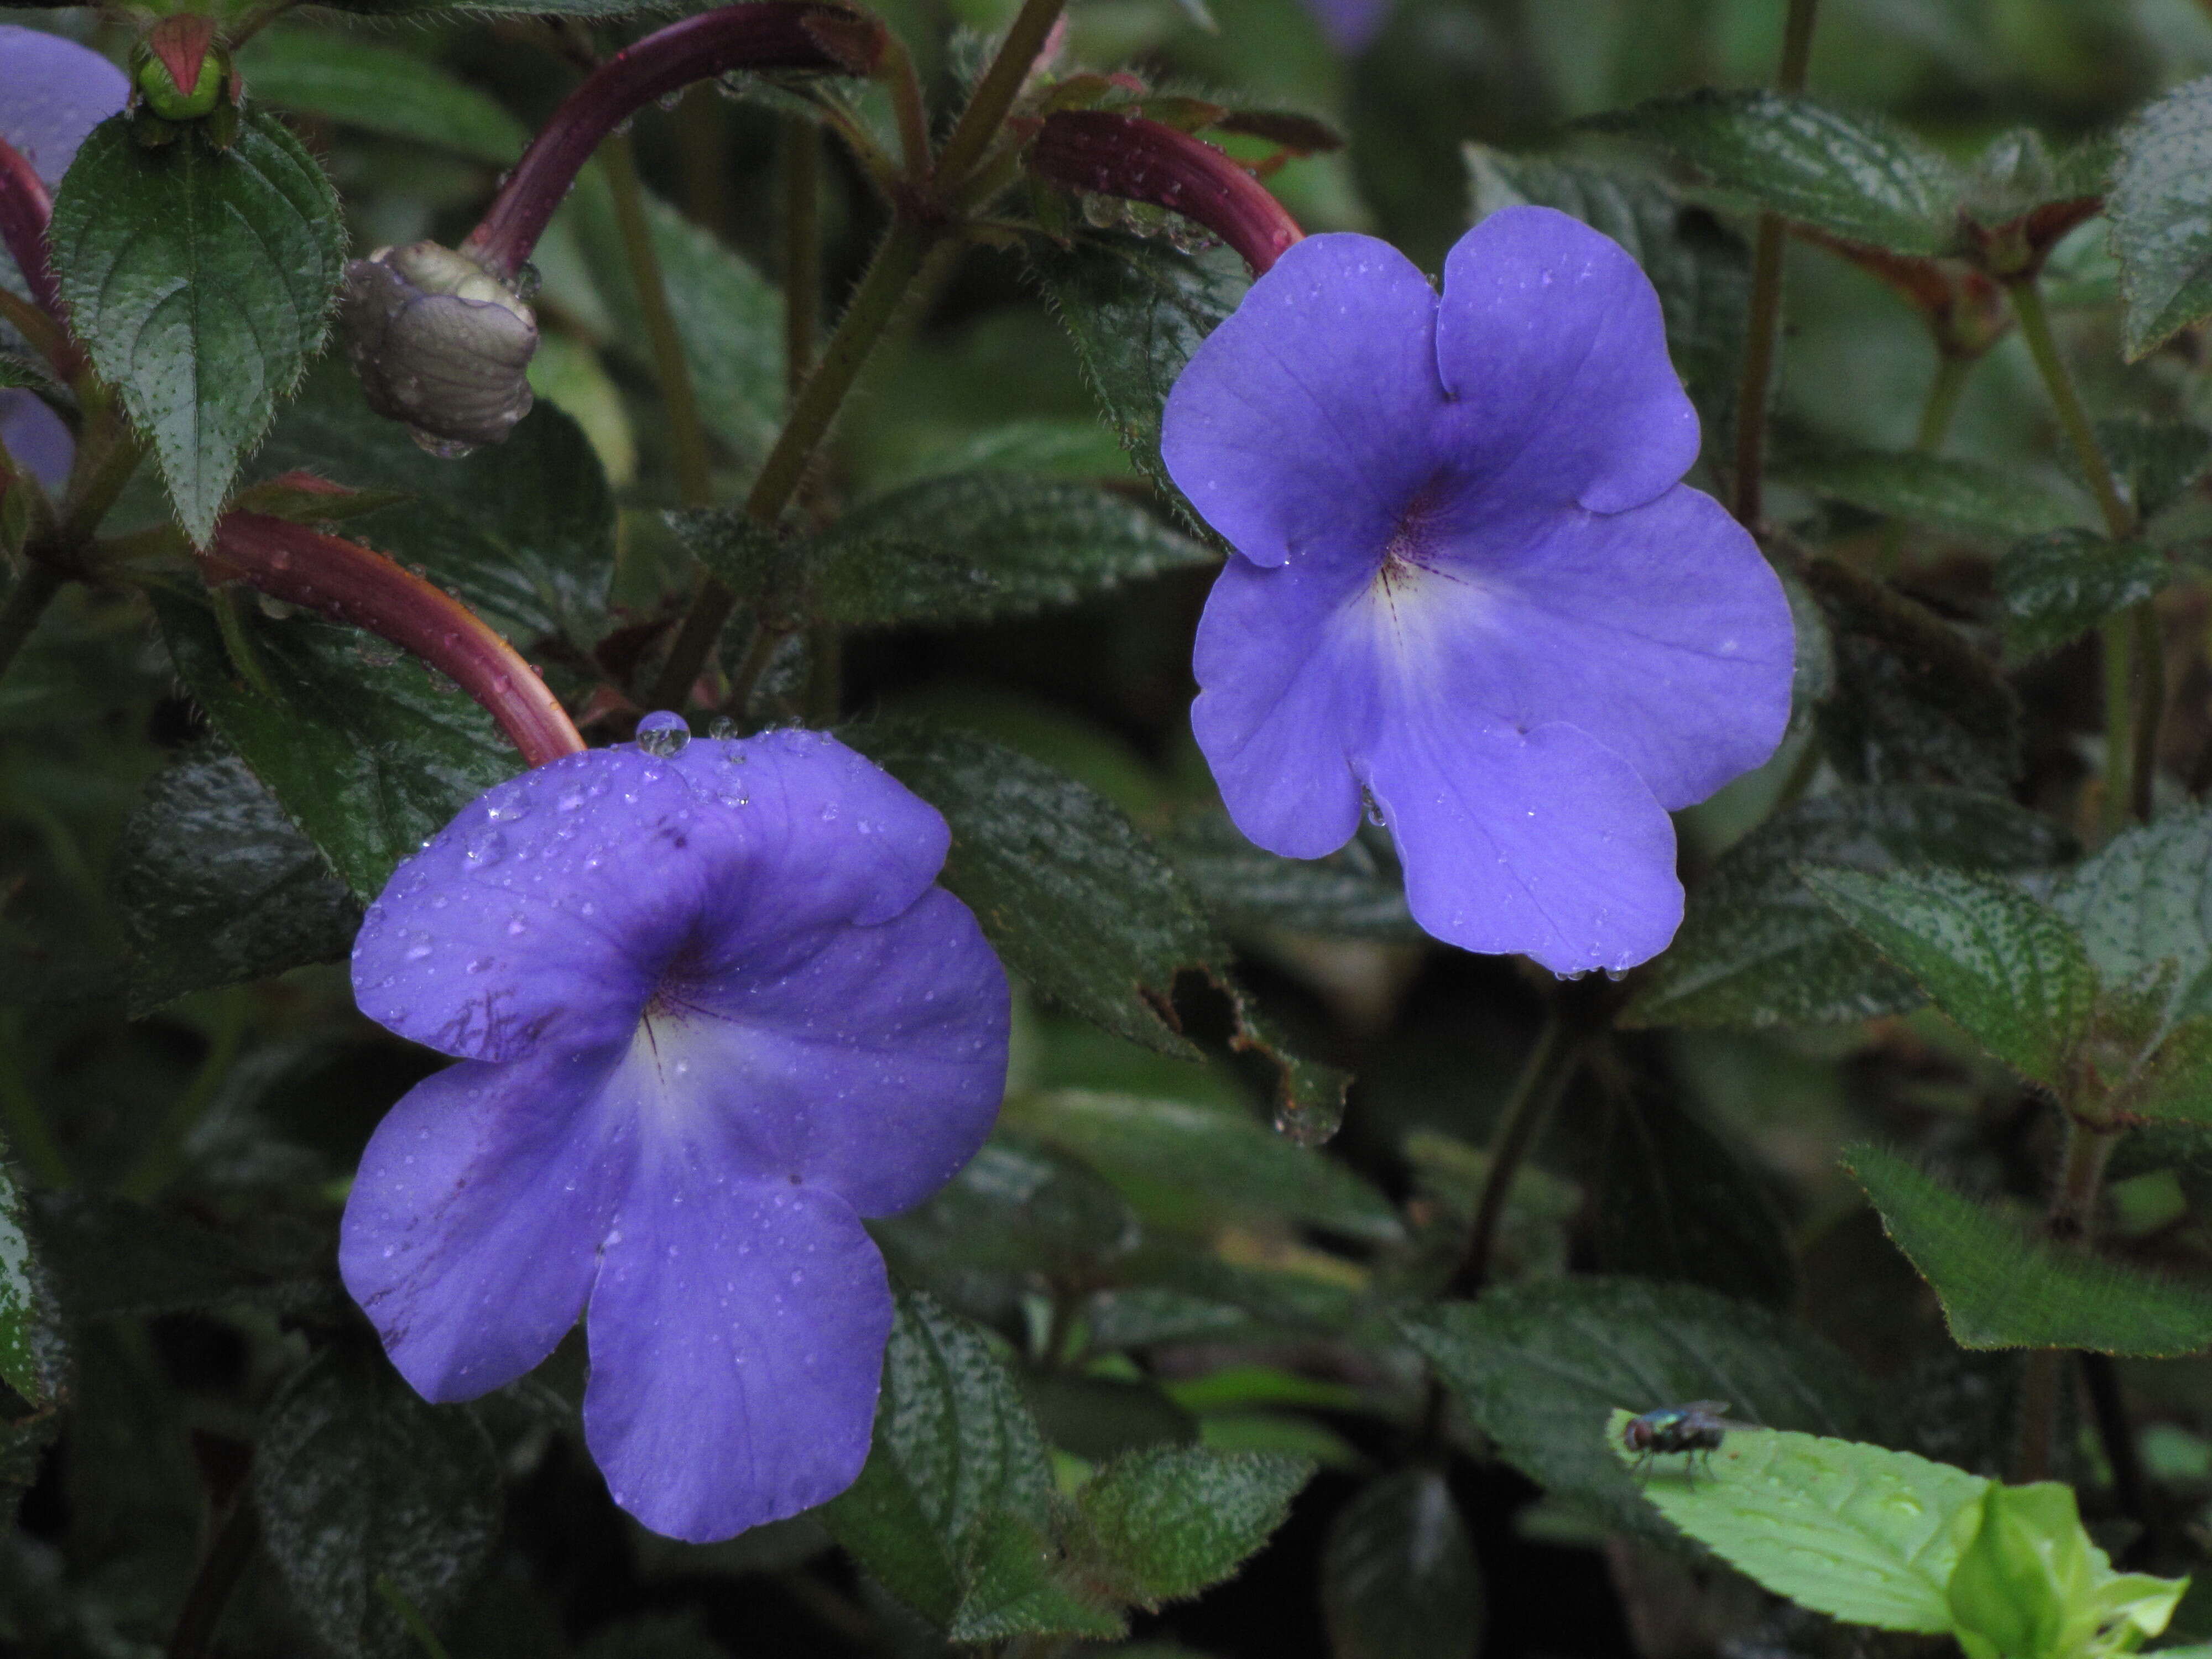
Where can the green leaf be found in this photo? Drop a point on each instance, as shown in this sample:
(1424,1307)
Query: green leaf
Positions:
(953,1512)
(2154,461)
(2013,974)
(357,1479)
(1171,1521)
(2161,212)
(2143,906)
(979,545)
(1859,1533)
(1071,894)
(200,281)
(32,1361)
(1850,172)
(2016,173)
(1959,495)
(2003,1289)
(2030,1582)
(1220,1161)
(1701,270)
(365,753)
(345,78)
(1136,310)
(523,531)
(2060,586)
(1757,948)
(214,886)
(1539,1368)
(1398,1578)
(1245,887)
(109,1256)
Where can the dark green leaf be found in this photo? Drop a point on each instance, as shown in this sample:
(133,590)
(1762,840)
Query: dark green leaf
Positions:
(2060,586)
(1345,895)
(1914,702)
(763,570)
(357,1479)
(1072,894)
(1219,1161)
(32,1359)
(2011,973)
(524,531)
(1850,172)
(2016,173)
(2143,905)
(2161,213)
(1701,270)
(1136,310)
(1096,1418)
(1398,1578)
(2002,1289)
(1959,495)
(215,885)
(1756,948)
(1172,1521)
(1539,1368)
(953,1512)
(137,1510)
(200,280)
(2154,461)
(342,78)
(976,545)
(109,1256)
(369,757)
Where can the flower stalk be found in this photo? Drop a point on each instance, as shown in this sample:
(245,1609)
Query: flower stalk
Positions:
(687,435)
(979,124)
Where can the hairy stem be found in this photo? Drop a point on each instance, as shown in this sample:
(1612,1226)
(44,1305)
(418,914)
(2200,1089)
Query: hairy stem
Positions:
(1763,323)
(220,1568)
(1545,1074)
(687,438)
(2073,1209)
(2072,420)
(164,1154)
(799,156)
(27,601)
(26,211)
(1949,381)
(995,92)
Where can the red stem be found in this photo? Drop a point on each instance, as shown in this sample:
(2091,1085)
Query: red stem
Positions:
(1127,156)
(768,34)
(345,581)
(26,209)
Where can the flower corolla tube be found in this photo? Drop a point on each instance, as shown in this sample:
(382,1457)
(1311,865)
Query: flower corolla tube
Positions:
(709,1010)
(1468,586)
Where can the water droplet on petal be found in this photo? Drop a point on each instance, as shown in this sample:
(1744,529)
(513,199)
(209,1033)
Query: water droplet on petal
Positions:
(664,734)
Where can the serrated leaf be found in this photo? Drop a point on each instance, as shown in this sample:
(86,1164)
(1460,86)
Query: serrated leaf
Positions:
(1850,172)
(1398,1575)
(1070,893)
(379,88)
(215,885)
(2143,906)
(2153,461)
(2059,586)
(1220,1160)
(200,281)
(979,545)
(109,1257)
(1757,948)
(2010,972)
(524,531)
(1345,895)
(356,1480)
(2161,207)
(1171,1521)
(2016,173)
(1959,495)
(1540,1368)
(2002,1289)
(1136,310)
(1701,270)
(369,757)
(1861,1533)
(31,1358)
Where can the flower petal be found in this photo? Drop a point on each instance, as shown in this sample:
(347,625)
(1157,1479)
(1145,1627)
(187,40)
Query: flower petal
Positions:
(1304,423)
(870,1062)
(1277,703)
(1660,631)
(52,93)
(471,1237)
(35,437)
(736,1340)
(1551,342)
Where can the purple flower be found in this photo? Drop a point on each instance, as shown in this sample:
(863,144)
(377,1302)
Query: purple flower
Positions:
(710,1011)
(1470,584)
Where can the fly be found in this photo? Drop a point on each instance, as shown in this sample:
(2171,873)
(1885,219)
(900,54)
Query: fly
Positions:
(1694,1428)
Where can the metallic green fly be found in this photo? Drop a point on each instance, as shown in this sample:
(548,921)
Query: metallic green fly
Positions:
(1694,1428)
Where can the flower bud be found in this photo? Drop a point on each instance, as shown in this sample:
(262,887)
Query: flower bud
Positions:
(180,71)
(439,343)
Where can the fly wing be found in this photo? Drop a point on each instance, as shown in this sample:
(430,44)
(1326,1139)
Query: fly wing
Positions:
(1708,1408)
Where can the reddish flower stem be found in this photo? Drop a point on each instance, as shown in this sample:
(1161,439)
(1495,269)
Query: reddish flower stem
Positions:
(26,209)
(768,34)
(348,582)
(1144,160)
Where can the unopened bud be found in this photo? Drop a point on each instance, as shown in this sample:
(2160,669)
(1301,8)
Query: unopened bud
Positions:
(439,343)
(180,71)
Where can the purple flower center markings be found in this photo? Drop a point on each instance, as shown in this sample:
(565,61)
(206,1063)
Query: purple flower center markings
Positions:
(1469,587)
(709,1010)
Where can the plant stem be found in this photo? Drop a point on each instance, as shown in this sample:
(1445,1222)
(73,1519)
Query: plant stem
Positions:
(1545,1074)
(158,1164)
(2073,1209)
(2035,328)
(220,1568)
(799,155)
(27,601)
(2101,1382)
(874,303)
(1763,326)
(26,211)
(700,137)
(28,1132)
(687,439)
(1952,371)
(995,92)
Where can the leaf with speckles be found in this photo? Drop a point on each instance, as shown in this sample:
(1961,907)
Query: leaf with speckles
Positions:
(2161,214)
(31,1354)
